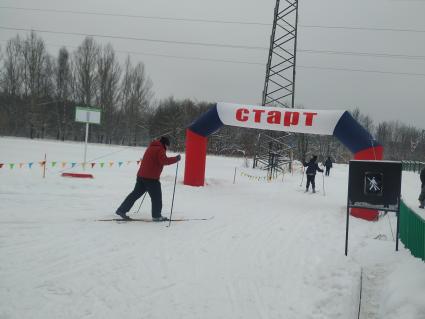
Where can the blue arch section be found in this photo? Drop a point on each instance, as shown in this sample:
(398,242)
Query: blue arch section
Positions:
(353,135)
(207,123)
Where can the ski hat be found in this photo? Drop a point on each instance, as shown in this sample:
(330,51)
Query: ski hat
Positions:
(164,140)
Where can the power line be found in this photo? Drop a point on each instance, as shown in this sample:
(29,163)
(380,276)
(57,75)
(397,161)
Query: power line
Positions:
(215,21)
(361,70)
(257,63)
(140,39)
(362,28)
(137,16)
(366,54)
(222,45)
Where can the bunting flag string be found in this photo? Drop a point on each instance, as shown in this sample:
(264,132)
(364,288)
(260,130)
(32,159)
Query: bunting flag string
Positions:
(259,178)
(64,164)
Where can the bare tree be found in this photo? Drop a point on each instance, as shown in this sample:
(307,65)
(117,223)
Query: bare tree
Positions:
(34,55)
(136,94)
(108,73)
(11,85)
(85,62)
(63,79)
(45,109)
(12,68)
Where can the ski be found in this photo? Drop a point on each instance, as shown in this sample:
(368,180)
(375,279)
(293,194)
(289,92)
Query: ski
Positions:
(149,220)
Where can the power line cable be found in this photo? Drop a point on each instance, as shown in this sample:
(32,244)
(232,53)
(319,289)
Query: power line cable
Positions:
(216,21)
(363,28)
(361,70)
(263,64)
(233,46)
(365,54)
(222,45)
(137,16)
(249,62)
(166,55)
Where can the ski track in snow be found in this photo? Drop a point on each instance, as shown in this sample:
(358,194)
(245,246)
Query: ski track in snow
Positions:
(271,251)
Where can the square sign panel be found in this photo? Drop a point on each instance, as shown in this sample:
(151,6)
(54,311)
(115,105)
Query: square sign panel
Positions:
(375,185)
(87,115)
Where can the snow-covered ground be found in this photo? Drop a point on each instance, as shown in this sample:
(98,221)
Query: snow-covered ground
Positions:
(271,251)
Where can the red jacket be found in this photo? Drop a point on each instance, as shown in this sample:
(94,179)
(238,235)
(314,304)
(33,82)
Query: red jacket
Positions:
(154,160)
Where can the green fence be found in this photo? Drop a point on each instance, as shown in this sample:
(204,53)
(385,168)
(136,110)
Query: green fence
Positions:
(412,166)
(412,231)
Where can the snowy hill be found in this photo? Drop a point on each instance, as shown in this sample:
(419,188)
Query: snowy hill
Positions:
(271,251)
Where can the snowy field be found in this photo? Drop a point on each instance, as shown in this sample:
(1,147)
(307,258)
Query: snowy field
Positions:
(271,251)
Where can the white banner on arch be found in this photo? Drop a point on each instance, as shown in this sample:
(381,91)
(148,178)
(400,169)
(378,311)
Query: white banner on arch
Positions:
(321,122)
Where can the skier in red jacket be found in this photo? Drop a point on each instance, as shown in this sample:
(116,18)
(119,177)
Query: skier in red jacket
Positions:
(148,175)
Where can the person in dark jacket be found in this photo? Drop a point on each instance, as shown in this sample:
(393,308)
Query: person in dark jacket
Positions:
(422,195)
(328,165)
(148,175)
(312,167)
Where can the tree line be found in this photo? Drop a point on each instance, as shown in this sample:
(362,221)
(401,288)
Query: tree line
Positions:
(39,93)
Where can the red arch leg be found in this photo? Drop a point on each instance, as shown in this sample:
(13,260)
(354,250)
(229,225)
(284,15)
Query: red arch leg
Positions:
(196,154)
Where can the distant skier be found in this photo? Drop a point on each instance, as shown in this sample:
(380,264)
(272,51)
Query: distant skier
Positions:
(328,165)
(312,167)
(148,175)
(422,195)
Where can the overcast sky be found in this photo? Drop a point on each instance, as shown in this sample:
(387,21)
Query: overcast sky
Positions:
(382,96)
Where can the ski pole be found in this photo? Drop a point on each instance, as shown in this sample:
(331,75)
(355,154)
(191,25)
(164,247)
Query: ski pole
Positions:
(174,191)
(141,203)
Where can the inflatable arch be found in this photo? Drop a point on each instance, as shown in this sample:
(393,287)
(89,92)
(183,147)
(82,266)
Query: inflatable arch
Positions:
(323,122)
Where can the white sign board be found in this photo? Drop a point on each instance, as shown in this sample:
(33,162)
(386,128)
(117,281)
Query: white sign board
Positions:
(87,115)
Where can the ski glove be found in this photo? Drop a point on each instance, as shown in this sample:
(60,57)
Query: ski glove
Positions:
(178,157)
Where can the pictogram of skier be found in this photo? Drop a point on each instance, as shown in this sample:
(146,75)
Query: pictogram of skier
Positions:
(373,186)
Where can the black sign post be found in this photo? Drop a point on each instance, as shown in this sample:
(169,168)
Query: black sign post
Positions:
(374,185)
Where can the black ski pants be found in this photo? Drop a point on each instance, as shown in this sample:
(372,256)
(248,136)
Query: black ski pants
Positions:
(422,195)
(153,187)
(311,179)
(328,169)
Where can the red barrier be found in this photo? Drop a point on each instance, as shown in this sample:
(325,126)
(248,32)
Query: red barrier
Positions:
(77,175)
(372,153)
(196,154)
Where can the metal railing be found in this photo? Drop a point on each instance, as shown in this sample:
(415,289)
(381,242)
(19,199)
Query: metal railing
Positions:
(412,166)
(412,231)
